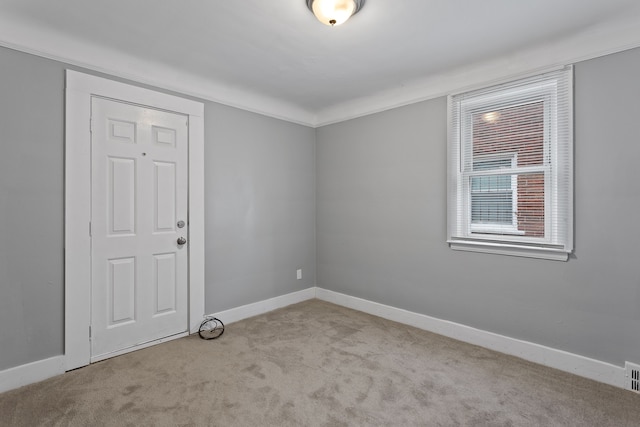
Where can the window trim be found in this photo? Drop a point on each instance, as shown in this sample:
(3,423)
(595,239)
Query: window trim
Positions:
(558,201)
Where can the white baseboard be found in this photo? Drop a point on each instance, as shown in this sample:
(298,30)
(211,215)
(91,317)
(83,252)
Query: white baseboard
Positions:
(547,356)
(260,307)
(41,370)
(31,373)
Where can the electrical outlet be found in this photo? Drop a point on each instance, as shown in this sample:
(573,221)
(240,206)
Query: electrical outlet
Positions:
(299,274)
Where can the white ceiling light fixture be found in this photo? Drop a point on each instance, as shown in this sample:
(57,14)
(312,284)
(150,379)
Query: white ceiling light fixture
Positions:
(334,12)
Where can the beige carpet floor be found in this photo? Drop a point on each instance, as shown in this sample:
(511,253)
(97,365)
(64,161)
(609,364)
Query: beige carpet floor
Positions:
(318,364)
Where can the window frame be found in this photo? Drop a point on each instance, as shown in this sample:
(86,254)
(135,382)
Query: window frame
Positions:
(462,234)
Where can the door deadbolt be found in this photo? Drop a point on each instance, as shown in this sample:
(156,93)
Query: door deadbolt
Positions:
(180,224)
(182,240)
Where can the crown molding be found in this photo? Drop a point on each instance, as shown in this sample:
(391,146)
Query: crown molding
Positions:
(25,37)
(598,40)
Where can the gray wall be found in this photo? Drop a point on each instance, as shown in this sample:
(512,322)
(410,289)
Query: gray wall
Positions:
(381,224)
(381,217)
(259,219)
(260,207)
(31,208)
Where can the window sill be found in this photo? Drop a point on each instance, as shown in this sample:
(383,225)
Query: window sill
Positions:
(510,249)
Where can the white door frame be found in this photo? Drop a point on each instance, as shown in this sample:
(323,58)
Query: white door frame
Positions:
(79,90)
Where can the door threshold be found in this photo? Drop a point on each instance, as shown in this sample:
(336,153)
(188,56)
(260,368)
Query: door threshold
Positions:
(136,347)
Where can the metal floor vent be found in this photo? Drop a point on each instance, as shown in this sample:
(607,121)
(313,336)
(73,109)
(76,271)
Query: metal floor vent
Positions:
(633,376)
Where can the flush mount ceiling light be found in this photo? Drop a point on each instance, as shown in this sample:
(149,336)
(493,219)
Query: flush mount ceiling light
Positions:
(334,12)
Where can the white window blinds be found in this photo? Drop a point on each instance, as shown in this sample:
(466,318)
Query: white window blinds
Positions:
(511,168)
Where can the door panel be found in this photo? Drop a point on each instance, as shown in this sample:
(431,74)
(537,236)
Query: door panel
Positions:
(121,188)
(139,193)
(165,196)
(165,283)
(121,291)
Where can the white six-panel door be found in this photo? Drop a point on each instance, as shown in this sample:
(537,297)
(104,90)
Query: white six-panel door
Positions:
(139,161)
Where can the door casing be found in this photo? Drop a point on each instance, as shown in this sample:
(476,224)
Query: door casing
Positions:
(80,88)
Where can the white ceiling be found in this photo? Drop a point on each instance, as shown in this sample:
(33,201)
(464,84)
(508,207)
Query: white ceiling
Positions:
(273,57)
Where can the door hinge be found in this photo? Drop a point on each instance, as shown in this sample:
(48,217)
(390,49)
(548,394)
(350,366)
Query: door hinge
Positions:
(89,332)
(89,228)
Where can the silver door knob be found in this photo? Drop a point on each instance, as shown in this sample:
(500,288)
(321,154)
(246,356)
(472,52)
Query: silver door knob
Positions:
(182,240)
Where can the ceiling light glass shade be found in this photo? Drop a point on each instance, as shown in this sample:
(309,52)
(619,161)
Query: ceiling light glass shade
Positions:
(334,12)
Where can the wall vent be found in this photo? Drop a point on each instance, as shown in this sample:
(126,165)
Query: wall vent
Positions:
(632,373)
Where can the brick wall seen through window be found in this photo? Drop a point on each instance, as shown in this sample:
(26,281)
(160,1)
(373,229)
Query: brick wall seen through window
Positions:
(517,131)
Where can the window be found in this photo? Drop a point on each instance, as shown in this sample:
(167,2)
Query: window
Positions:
(510,168)
(493,197)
